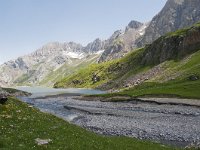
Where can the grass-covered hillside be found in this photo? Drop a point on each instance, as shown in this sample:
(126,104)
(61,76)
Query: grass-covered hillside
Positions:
(178,79)
(172,59)
(104,73)
(21,126)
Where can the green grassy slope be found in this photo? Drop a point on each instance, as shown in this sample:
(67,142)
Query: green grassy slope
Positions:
(20,125)
(67,69)
(178,84)
(107,71)
(177,61)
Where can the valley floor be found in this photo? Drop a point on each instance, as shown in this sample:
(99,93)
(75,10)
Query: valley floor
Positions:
(168,123)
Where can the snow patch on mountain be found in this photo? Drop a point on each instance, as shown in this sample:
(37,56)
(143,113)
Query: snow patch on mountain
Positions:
(142,29)
(74,55)
(99,52)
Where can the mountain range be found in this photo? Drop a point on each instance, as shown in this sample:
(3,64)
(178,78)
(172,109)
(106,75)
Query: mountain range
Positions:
(54,61)
(46,64)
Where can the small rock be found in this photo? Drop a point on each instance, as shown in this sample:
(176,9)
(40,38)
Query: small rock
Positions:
(3,97)
(7,116)
(42,141)
(193,145)
(193,77)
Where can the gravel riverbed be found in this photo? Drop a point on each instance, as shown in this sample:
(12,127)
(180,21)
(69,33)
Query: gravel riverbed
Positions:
(172,124)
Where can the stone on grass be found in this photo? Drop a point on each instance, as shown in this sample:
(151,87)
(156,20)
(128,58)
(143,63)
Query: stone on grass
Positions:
(42,141)
(193,77)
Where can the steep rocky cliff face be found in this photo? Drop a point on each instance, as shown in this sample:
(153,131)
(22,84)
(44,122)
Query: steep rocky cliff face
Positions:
(95,46)
(122,41)
(174,45)
(176,14)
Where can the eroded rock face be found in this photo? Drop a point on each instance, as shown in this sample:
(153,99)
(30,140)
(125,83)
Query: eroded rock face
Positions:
(172,47)
(176,14)
(134,24)
(123,41)
(95,46)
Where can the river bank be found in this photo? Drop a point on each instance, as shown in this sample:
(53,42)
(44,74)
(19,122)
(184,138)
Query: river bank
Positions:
(177,125)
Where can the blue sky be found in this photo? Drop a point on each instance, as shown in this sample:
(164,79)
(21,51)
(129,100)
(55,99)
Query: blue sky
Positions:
(26,25)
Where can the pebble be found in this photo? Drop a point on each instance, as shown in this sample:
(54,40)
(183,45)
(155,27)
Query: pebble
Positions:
(42,141)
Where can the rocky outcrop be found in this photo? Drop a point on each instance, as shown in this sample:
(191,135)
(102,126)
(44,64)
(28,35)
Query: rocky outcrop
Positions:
(122,42)
(193,77)
(176,14)
(3,96)
(95,46)
(134,25)
(95,78)
(173,46)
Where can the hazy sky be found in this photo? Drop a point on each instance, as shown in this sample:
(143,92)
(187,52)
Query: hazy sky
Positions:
(26,25)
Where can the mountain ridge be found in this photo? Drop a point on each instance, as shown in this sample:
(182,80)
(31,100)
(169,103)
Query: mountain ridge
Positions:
(176,14)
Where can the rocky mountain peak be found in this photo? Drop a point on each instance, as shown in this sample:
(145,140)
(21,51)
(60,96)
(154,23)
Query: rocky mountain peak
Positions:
(134,24)
(122,41)
(179,2)
(94,46)
(176,14)
(116,34)
(51,45)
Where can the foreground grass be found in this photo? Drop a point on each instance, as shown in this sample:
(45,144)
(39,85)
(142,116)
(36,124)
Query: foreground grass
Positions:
(20,125)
